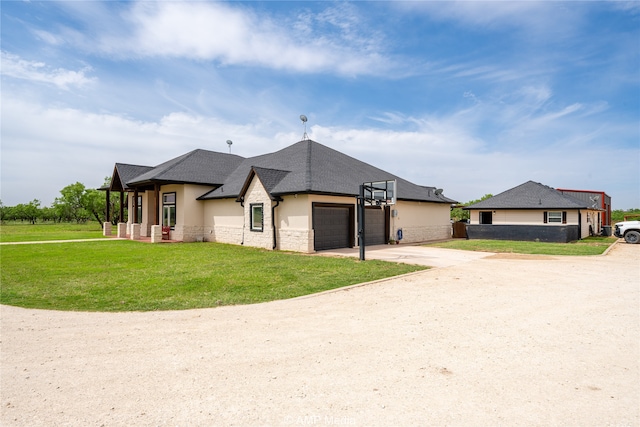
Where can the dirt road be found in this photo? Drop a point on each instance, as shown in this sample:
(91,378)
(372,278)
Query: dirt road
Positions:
(503,340)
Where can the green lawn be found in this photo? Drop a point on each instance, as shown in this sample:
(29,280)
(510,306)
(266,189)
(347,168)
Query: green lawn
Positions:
(25,232)
(588,246)
(135,276)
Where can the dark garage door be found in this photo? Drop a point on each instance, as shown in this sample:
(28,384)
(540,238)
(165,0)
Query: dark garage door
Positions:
(374,226)
(332,227)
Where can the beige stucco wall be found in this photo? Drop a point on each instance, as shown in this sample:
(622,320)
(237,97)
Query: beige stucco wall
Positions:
(189,211)
(223,221)
(293,223)
(420,221)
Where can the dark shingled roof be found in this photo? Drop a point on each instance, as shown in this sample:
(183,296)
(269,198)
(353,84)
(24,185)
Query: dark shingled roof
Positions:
(196,167)
(122,174)
(310,167)
(268,177)
(530,195)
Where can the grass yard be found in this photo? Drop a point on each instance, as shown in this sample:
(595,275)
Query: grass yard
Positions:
(135,276)
(588,246)
(25,232)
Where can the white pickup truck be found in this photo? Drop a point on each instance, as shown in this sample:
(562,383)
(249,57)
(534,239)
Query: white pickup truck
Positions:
(630,230)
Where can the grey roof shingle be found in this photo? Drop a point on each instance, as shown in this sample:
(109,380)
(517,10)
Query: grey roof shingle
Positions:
(530,195)
(270,178)
(122,174)
(314,168)
(196,167)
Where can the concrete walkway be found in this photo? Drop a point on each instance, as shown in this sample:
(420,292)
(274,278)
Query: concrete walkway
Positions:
(409,254)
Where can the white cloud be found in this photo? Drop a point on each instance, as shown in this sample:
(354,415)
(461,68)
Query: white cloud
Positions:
(233,35)
(16,67)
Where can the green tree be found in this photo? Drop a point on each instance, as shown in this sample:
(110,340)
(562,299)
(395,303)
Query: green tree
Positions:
(618,215)
(18,212)
(32,211)
(69,206)
(48,213)
(94,202)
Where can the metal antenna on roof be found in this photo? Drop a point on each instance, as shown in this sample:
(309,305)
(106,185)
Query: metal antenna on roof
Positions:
(304,123)
(229,142)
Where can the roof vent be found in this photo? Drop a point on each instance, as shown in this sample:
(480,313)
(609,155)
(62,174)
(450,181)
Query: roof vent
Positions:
(303,118)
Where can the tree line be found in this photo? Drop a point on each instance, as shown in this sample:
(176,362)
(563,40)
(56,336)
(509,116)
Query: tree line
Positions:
(76,203)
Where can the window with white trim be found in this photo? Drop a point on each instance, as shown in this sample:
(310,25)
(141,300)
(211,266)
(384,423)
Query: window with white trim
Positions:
(257,217)
(554,216)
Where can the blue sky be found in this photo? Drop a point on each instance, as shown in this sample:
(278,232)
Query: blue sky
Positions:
(472,97)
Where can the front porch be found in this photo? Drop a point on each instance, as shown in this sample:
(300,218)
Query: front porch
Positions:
(159,234)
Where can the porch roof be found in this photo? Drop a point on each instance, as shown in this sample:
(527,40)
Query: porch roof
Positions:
(196,167)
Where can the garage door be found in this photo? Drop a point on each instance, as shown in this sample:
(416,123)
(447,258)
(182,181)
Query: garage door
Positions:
(374,226)
(332,227)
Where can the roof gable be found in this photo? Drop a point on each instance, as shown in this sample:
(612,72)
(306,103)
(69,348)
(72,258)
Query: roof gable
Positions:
(269,178)
(530,195)
(122,174)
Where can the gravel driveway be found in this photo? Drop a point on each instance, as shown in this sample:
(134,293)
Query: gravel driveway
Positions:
(500,340)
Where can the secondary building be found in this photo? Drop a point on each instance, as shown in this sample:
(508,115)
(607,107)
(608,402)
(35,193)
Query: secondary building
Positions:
(535,212)
(301,198)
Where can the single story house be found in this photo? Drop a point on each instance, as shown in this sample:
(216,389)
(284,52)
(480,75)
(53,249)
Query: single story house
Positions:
(534,212)
(301,198)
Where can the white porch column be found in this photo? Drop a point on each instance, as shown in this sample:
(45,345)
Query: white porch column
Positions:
(106,229)
(135,232)
(122,230)
(156,233)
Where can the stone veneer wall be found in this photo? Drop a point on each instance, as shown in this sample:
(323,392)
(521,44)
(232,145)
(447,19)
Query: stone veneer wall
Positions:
(295,240)
(259,239)
(426,233)
(223,234)
(188,233)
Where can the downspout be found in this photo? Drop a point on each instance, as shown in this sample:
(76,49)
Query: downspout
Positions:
(244,219)
(273,223)
(579,225)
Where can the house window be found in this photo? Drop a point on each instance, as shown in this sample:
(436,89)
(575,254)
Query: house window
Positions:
(169,210)
(257,218)
(139,207)
(486,217)
(555,217)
